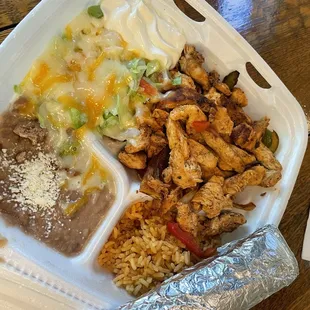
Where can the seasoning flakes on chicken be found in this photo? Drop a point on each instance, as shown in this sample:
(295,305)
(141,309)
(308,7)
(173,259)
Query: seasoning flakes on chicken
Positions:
(250,177)
(176,136)
(211,199)
(179,97)
(226,222)
(223,150)
(204,157)
(171,200)
(133,161)
(187,219)
(186,172)
(222,123)
(191,64)
(154,187)
(247,136)
(266,158)
(215,97)
(236,113)
(140,143)
(272,177)
(182,80)
(238,97)
(191,114)
(161,116)
(245,156)
(158,141)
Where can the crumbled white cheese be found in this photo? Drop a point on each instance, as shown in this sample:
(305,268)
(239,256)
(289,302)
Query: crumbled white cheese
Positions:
(35,183)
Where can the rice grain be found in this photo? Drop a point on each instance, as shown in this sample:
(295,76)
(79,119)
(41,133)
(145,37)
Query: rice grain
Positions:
(140,252)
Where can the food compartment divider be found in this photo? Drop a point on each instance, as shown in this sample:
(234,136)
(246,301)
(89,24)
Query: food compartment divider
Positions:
(225,50)
(82,269)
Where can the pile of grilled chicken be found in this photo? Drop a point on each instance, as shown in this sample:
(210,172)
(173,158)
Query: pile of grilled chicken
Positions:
(198,149)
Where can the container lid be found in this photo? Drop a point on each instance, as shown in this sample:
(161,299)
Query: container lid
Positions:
(18,293)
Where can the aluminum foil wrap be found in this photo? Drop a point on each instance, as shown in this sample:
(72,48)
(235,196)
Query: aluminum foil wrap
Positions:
(243,273)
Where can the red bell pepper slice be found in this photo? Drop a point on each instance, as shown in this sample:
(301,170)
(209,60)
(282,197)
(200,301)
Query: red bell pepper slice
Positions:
(189,241)
(148,88)
(200,126)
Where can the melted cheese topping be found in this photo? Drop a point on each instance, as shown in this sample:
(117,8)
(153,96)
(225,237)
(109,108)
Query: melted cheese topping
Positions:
(82,81)
(84,70)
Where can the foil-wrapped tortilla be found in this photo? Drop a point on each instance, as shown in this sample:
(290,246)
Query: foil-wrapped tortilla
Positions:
(243,274)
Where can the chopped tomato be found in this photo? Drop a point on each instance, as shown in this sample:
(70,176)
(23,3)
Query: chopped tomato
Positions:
(200,126)
(189,241)
(148,88)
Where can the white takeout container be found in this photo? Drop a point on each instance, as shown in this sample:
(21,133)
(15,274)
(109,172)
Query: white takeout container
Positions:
(80,278)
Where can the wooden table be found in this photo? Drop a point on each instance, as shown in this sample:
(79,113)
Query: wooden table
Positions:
(280,32)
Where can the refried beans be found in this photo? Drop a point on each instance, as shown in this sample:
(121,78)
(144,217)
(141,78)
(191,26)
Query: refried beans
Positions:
(25,148)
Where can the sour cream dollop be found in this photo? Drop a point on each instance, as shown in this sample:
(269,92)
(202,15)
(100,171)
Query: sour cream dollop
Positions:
(144,30)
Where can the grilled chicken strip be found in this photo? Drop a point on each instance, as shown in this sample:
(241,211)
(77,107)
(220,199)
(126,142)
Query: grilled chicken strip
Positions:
(222,123)
(160,116)
(223,88)
(185,80)
(236,113)
(187,219)
(191,64)
(247,136)
(204,157)
(266,157)
(157,143)
(188,114)
(176,136)
(185,170)
(272,177)
(154,187)
(227,222)
(215,97)
(211,199)
(140,143)
(223,150)
(171,200)
(146,119)
(245,156)
(238,97)
(133,161)
(238,183)
(181,96)
(220,86)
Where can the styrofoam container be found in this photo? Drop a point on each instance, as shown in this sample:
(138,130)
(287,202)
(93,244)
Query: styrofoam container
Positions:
(80,278)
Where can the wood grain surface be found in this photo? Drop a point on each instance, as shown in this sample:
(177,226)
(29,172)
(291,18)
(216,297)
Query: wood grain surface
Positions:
(4,33)
(279,30)
(13,11)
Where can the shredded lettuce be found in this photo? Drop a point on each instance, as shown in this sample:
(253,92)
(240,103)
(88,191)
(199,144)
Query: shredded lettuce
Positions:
(109,120)
(112,110)
(116,126)
(17,89)
(69,148)
(137,65)
(78,118)
(137,68)
(110,126)
(125,114)
(41,121)
(177,80)
(152,67)
(137,98)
